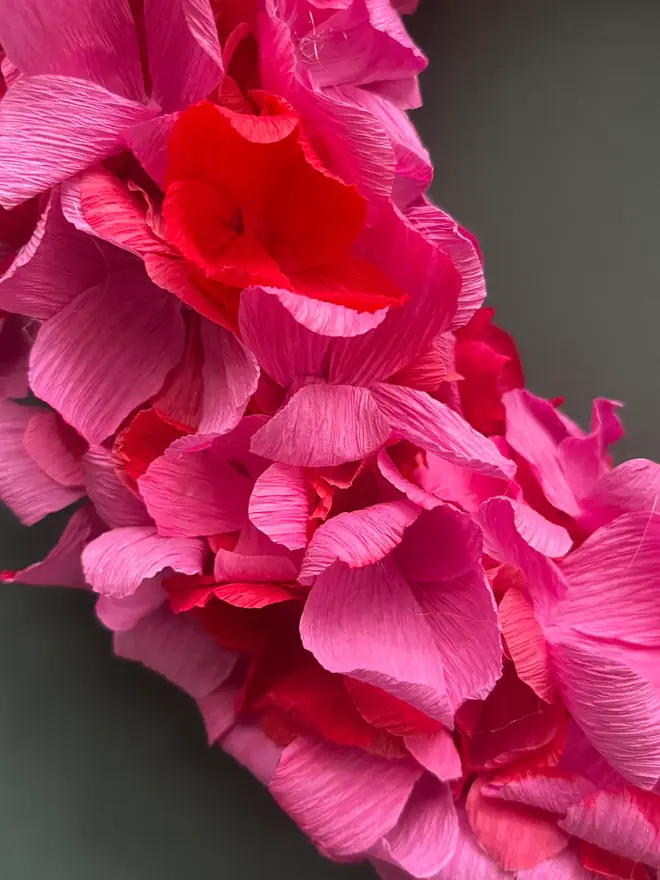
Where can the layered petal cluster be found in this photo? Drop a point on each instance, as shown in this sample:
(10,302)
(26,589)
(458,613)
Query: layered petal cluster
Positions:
(307,482)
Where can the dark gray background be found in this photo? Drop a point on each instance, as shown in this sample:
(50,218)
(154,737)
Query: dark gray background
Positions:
(543,119)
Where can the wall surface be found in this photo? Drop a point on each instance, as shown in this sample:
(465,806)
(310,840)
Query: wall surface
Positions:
(543,121)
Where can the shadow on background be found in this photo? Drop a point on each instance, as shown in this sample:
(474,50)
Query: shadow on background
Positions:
(542,119)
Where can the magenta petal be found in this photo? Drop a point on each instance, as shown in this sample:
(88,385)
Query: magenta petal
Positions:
(62,567)
(427,423)
(231,374)
(424,839)
(249,745)
(29,492)
(52,127)
(44,442)
(323,425)
(234,567)
(75,38)
(437,753)
(123,613)
(119,560)
(326,318)
(176,647)
(280,505)
(218,711)
(107,352)
(185,60)
(195,490)
(565,865)
(285,349)
(442,544)
(633,485)
(358,538)
(148,142)
(113,501)
(432,282)
(56,265)
(343,798)
(366,623)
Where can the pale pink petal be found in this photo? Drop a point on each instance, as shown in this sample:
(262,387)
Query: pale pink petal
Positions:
(326,318)
(118,561)
(121,614)
(178,648)
(45,443)
(517,837)
(56,265)
(437,753)
(148,142)
(107,352)
(427,423)
(323,425)
(29,492)
(462,617)
(184,52)
(62,567)
(612,692)
(358,538)
(249,745)
(624,821)
(114,503)
(440,228)
(534,430)
(285,349)
(442,544)
(231,374)
(366,623)
(565,865)
(431,281)
(544,536)
(218,711)
(526,644)
(424,839)
(75,38)
(235,567)
(195,490)
(343,798)
(280,505)
(52,127)
(633,485)
(623,558)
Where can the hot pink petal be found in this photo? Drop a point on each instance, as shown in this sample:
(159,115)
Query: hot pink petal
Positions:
(176,647)
(516,837)
(184,52)
(280,505)
(550,789)
(195,490)
(250,746)
(107,352)
(432,282)
(56,265)
(62,567)
(148,142)
(633,485)
(52,127)
(411,490)
(366,623)
(285,349)
(75,38)
(231,374)
(358,538)
(443,480)
(544,536)
(455,536)
(323,425)
(437,753)
(425,838)
(526,644)
(427,423)
(45,442)
(114,503)
(624,555)
(29,492)
(218,711)
(343,798)
(623,821)
(326,318)
(118,561)
(445,233)
(231,567)
(121,614)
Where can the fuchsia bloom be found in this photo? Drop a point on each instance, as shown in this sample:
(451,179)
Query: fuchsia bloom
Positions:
(417,601)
